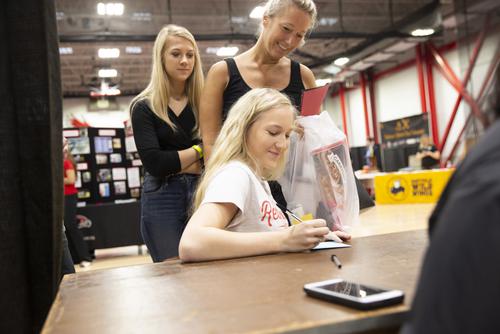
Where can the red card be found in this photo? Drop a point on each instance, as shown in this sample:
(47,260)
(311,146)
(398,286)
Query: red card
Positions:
(312,99)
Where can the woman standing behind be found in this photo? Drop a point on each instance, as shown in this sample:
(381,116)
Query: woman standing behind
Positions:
(79,250)
(285,24)
(283,28)
(164,119)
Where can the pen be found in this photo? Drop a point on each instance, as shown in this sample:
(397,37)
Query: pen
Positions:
(282,207)
(336,260)
(294,216)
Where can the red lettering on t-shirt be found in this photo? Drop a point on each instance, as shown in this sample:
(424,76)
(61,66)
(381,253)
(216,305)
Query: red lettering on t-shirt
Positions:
(265,210)
(269,211)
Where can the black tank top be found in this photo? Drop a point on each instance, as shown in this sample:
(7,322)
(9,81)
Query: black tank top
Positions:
(237,87)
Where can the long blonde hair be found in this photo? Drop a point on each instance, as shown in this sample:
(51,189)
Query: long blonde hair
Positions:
(231,144)
(157,93)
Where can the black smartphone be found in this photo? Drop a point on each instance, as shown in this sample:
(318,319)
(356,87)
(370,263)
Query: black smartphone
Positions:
(352,294)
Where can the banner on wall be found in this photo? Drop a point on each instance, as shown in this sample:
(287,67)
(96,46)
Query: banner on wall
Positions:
(404,131)
(415,187)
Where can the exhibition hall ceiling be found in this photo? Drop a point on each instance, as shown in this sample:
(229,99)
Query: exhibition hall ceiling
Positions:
(354,28)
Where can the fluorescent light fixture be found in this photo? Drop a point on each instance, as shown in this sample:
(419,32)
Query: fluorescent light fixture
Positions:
(332,69)
(135,50)
(327,21)
(66,50)
(341,61)
(257,12)
(227,51)
(141,16)
(238,19)
(108,53)
(212,50)
(101,8)
(422,32)
(322,82)
(110,8)
(107,73)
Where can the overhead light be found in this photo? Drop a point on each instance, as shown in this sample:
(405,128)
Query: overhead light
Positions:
(212,50)
(238,19)
(104,90)
(107,73)
(66,50)
(327,21)
(322,82)
(257,12)
(332,69)
(135,50)
(341,61)
(108,53)
(141,16)
(227,51)
(422,32)
(110,8)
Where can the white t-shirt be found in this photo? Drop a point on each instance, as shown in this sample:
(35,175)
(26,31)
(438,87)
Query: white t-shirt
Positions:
(236,183)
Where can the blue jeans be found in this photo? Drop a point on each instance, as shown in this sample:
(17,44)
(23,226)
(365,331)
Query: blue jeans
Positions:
(165,206)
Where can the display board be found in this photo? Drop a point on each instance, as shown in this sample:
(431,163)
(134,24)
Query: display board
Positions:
(108,168)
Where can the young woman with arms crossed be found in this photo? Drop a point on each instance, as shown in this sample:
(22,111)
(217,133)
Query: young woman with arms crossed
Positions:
(164,120)
(233,195)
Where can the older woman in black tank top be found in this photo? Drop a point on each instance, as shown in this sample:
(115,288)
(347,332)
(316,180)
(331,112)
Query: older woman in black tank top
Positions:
(284,26)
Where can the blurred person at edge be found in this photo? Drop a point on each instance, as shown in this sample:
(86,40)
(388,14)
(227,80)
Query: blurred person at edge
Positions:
(285,23)
(77,246)
(427,153)
(459,286)
(165,125)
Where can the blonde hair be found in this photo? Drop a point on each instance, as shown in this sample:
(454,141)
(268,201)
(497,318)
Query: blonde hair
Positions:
(157,93)
(231,144)
(274,8)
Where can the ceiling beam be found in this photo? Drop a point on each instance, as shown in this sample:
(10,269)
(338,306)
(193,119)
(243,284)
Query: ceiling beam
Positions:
(105,37)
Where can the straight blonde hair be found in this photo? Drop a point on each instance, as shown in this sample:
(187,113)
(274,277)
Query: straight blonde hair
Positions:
(157,93)
(231,144)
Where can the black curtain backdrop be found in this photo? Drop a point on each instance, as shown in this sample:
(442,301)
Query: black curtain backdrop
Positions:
(31,194)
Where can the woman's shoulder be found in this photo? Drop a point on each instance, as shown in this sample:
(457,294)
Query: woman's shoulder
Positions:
(219,68)
(236,165)
(141,105)
(141,109)
(235,170)
(307,76)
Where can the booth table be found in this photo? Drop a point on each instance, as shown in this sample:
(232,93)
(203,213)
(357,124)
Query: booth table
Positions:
(260,294)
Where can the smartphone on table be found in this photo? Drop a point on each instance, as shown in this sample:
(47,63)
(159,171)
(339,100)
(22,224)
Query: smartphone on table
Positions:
(359,296)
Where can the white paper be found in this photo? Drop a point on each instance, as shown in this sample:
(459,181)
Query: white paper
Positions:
(330,245)
(130,144)
(133,177)
(119,174)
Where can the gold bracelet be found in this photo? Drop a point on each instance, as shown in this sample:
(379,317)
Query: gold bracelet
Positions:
(198,149)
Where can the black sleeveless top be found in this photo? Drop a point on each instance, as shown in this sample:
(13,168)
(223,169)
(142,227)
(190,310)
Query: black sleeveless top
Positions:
(237,87)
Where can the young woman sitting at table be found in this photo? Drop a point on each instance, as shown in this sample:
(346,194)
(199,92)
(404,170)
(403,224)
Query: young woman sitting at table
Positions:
(233,195)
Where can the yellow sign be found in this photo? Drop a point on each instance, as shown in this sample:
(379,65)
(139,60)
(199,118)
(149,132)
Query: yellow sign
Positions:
(414,187)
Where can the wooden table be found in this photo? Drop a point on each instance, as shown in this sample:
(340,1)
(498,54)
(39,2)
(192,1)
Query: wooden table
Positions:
(251,295)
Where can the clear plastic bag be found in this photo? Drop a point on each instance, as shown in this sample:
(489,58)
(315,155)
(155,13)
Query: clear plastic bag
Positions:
(319,181)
